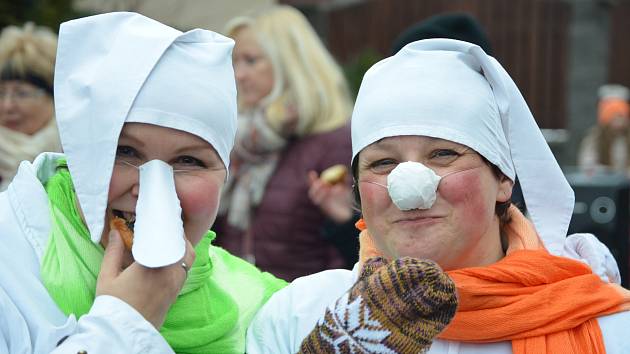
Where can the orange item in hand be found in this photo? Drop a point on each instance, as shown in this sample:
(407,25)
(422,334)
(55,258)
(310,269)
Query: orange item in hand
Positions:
(125,233)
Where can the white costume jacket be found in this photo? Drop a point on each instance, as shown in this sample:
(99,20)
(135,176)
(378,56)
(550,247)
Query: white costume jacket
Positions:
(30,321)
(291,313)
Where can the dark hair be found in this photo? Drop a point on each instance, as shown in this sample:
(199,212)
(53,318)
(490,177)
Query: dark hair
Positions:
(454,25)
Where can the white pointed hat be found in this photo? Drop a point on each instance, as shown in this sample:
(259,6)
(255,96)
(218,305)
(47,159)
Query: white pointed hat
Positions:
(124,67)
(453,90)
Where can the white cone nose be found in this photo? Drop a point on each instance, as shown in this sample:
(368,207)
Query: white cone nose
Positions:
(412,185)
(159,230)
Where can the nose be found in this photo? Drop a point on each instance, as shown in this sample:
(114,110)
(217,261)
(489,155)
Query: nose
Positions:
(8,103)
(135,189)
(239,71)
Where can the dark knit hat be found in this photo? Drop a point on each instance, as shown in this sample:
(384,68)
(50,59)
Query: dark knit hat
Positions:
(460,26)
(393,308)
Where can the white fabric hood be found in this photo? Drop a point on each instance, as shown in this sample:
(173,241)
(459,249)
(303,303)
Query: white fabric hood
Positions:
(124,67)
(452,90)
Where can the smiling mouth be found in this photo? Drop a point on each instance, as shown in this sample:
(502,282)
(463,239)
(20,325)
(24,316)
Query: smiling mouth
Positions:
(130,218)
(418,219)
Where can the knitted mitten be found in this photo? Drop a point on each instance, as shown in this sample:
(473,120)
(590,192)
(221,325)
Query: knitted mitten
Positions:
(394,308)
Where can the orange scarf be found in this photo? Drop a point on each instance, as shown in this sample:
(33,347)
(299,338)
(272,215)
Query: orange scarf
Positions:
(542,303)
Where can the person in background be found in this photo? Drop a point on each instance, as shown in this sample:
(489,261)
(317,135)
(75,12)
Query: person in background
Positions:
(294,108)
(606,147)
(147,119)
(27,126)
(434,181)
(454,25)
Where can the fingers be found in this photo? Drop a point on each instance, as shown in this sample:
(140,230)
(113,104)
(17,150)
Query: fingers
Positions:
(113,258)
(312,178)
(189,256)
(318,189)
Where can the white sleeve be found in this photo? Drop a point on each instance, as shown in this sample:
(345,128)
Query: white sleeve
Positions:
(291,314)
(590,250)
(112,326)
(269,331)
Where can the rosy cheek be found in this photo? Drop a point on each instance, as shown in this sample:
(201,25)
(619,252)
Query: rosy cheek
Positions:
(199,201)
(374,202)
(116,186)
(373,194)
(465,190)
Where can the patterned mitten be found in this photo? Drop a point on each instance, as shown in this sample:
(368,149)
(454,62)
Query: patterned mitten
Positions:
(395,308)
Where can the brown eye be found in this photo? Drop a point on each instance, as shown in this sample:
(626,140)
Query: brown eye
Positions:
(442,153)
(126,151)
(444,156)
(383,166)
(250,59)
(189,162)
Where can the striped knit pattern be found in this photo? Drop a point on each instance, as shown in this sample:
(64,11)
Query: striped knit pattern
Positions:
(393,308)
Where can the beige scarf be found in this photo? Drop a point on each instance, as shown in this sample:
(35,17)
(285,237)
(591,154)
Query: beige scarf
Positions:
(16,147)
(254,159)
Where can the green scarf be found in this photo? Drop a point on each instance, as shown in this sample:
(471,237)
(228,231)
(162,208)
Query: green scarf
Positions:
(213,310)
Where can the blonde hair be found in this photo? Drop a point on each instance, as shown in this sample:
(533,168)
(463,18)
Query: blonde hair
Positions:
(28,52)
(304,71)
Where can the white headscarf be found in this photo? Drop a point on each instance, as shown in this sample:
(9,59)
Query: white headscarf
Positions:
(124,67)
(452,90)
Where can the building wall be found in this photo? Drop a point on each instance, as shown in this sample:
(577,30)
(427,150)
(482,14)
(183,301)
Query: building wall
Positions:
(588,69)
(181,14)
(558,51)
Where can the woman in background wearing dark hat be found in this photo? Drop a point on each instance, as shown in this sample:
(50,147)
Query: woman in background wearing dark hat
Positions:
(454,25)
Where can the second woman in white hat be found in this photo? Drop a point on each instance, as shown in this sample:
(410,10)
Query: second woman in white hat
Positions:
(439,133)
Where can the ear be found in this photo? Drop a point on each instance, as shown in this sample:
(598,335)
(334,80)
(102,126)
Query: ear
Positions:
(504,192)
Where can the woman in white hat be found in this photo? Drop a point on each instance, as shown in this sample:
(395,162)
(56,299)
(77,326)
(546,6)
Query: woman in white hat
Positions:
(439,133)
(147,118)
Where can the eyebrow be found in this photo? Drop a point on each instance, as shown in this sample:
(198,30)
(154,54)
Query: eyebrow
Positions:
(195,147)
(386,144)
(125,135)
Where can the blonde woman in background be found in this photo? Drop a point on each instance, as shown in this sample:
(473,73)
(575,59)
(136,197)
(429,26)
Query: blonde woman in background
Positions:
(27,127)
(294,110)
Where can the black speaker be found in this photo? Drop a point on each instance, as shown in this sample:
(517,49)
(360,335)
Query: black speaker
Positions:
(602,209)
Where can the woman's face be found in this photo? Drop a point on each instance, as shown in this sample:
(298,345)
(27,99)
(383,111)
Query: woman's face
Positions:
(198,186)
(460,230)
(24,107)
(619,122)
(252,68)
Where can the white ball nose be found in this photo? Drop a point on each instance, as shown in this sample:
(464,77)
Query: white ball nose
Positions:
(412,185)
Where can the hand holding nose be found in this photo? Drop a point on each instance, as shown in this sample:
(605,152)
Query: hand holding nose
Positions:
(150,291)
